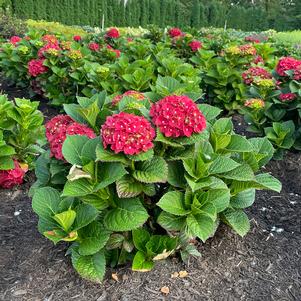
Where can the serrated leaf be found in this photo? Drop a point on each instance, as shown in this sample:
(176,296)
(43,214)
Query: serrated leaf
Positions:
(142,156)
(176,174)
(77,188)
(200,225)
(241,173)
(90,267)
(171,222)
(92,238)
(141,263)
(239,144)
(85,214)
(65,219)
(45,202)
(140,238)
(152,171)
(72,149)
(222,164)
(243,199)
(104,155)
(173,202)
(128,187)
(237,220)
(128,215)
(209,112)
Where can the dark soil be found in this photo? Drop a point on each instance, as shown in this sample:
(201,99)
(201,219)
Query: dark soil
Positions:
(263,266)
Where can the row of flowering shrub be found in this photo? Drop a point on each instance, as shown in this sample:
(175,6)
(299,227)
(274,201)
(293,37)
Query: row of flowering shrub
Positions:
(139,177)
(273,107)
(21,139)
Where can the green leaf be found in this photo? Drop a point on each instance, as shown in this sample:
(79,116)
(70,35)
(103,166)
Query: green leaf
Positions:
(6,150)
(88,153)
(220,198)
(85,214)
(171,222)
(45,202)
(173,202)
(109,173)
(209,112)
(142,156)
(141,263)
(241,173)
(140,238)
(128,215)
(6,163)
(77,188)
(152,171)
(92,238)
(108,156)
(222,164)
(237,220)
(200,225)
(128,187)
(90,267)
(65,219)
(72,149)
(243,199)
(176,174)
(239,144)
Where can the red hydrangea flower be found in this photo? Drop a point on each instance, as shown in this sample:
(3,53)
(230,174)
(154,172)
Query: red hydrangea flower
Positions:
(254,103)
(94,46)
(258,59)
(175,32)
(297,73)
(127,133)
(252,39)
(36,67)
(50,39)
(247,49)
(57,130)
(14,40)
(255,73)
(177,116)
(77,38)
(134,94)
(113,33)
(117,52)
(287,96)
(12,177)
(285,64)
(47,48)
(195,45)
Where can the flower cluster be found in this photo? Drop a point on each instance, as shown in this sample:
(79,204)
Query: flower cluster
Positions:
(177,116)
(14,40)
(233,50)
(117,52)
(255,75)
(254,103)
(286,64)
(113,33)
(195,45)
(12,177)
(175,32)
(287,97)
(133,94)
(247,50)
(77,38)
(75,54)
(127,133)
(252,39)
(23,49)
(93,46)
(49,48)
(258,60)
(57,130)
(36,67)
(66,45)
(50,39)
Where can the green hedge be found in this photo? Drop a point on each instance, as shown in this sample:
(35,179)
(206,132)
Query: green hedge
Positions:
(196,13)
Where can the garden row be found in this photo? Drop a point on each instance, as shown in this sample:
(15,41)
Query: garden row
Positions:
(136,170)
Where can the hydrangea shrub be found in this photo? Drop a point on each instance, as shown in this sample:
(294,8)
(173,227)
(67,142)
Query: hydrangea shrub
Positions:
(147,183)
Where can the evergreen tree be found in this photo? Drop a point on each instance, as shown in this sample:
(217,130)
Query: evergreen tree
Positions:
(195,14)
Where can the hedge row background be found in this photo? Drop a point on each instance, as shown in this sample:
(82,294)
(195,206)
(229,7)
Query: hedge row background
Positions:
(240,14)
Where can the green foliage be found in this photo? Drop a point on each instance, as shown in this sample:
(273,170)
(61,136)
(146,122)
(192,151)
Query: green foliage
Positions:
(114,208)
(21,132)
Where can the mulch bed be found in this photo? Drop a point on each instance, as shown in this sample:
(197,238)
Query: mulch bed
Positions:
(263,266)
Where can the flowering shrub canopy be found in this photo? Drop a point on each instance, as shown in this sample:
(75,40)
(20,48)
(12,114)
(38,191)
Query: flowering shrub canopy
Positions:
(136,194)
(12,177)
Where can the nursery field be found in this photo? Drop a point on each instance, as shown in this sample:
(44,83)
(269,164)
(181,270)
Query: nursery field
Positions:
(163,165)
